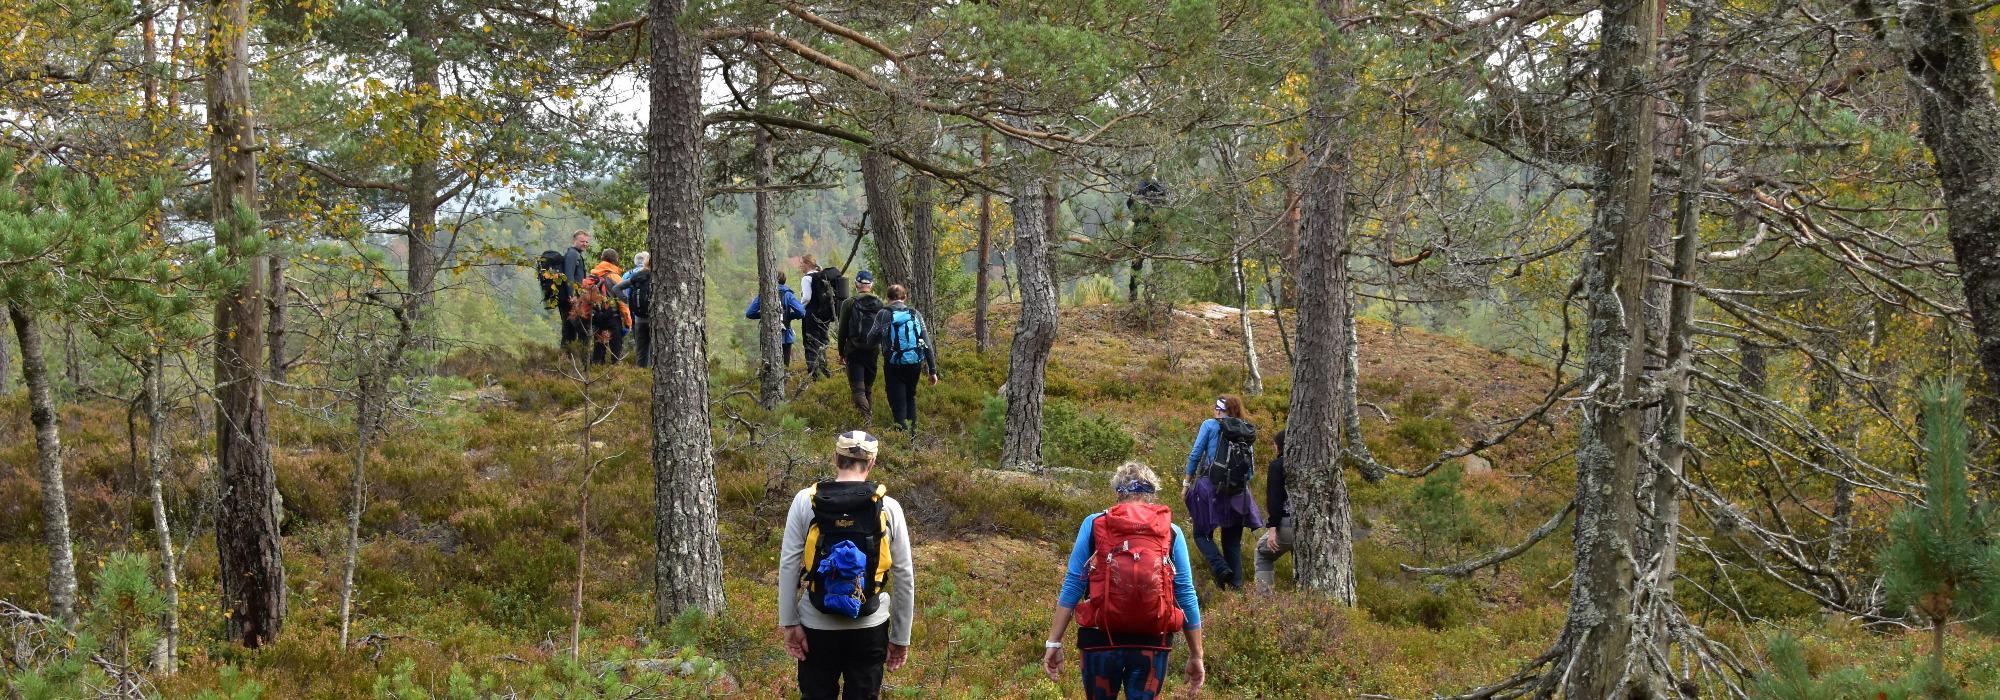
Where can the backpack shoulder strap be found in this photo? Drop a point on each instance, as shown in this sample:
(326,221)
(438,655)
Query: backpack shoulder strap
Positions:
(812,533)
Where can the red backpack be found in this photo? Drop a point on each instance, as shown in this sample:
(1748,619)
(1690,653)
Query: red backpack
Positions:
(1132,572)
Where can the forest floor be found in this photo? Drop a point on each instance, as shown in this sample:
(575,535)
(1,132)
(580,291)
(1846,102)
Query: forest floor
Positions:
(470,562)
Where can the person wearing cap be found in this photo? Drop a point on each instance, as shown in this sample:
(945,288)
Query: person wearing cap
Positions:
(1213,510)
(1132,662)
(841,656)
(851,327)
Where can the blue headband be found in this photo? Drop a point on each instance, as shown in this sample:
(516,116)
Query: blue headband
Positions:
(1137,487)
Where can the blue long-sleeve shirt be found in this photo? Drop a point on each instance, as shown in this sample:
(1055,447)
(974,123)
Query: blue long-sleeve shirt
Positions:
(793,309)
(1208,446)
(1076,582)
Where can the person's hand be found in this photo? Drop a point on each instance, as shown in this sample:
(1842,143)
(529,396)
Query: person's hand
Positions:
(933,380)
(1196,675)
(1270,541)
(898,654)
(795,641)
(1052,664)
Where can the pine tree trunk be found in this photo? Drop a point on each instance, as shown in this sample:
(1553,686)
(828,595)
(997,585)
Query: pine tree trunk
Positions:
(250,560)
(48,461)
(166,652)
(274,332)
(771,322)
(1323,527)
(423,184)
(687,570)
(885,220)
(1035,334)
(1960,122)
(982,335)
(923,251)
(1598,637)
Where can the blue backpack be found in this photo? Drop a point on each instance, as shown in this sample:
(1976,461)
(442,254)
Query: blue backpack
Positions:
(906,338)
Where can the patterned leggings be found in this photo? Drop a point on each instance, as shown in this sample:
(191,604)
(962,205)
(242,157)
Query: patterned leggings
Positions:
(1138,672)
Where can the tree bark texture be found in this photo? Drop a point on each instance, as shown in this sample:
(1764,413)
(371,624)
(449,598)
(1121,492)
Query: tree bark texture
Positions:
(422,189)
(6,367)
(1597,639)
(167,650)
(357,496)
(274,332)
(1353,444)
(1661,494)
(1323,529)
(49,463)
(923,250)
(1960,121)
(1035,333)
(771,323)
(250,559)
(687,569)
(371,400)
(982,335)
(885,220)
(1253,377)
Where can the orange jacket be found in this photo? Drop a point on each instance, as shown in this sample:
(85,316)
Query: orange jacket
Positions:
(617,275)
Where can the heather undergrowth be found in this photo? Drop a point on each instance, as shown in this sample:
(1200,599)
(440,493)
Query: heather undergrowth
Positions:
(471,530)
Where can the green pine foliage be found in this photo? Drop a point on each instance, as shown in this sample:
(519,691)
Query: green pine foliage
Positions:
(1942,561)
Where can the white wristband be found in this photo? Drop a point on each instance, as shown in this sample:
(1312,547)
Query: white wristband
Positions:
(1051,645)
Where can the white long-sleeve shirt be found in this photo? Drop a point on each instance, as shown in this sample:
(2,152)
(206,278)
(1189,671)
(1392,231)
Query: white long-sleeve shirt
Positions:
(897,605)
(806,287)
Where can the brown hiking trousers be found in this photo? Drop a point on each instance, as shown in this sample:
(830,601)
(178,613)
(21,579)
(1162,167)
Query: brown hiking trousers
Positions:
(861,366)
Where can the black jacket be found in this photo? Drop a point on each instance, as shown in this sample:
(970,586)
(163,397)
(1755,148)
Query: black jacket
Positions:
(1274,491)
(639,281)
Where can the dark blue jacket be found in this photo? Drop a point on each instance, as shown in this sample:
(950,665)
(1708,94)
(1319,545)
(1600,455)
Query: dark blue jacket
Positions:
(793,309)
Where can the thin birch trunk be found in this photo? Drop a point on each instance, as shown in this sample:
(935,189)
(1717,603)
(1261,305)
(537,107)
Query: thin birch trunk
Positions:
(166,651)
(49,464)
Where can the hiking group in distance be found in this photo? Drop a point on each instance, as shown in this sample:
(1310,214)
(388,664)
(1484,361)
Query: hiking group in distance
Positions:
(603,304)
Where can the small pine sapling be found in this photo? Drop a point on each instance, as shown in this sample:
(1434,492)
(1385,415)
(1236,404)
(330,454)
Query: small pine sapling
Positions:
(1942,561)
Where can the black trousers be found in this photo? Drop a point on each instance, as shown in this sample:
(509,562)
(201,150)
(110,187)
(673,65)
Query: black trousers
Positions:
(849,658)
(901,381)
(861,382)
(816,340)
(615,346)
(788,356)
(643,343)
(572,331)
(642,336)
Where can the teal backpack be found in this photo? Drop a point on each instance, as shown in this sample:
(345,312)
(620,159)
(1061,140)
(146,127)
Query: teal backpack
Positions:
(906,337)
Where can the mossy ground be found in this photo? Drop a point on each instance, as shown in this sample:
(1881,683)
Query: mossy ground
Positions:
(471,529)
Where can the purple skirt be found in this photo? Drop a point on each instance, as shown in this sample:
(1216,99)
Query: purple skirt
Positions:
(1211,510)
